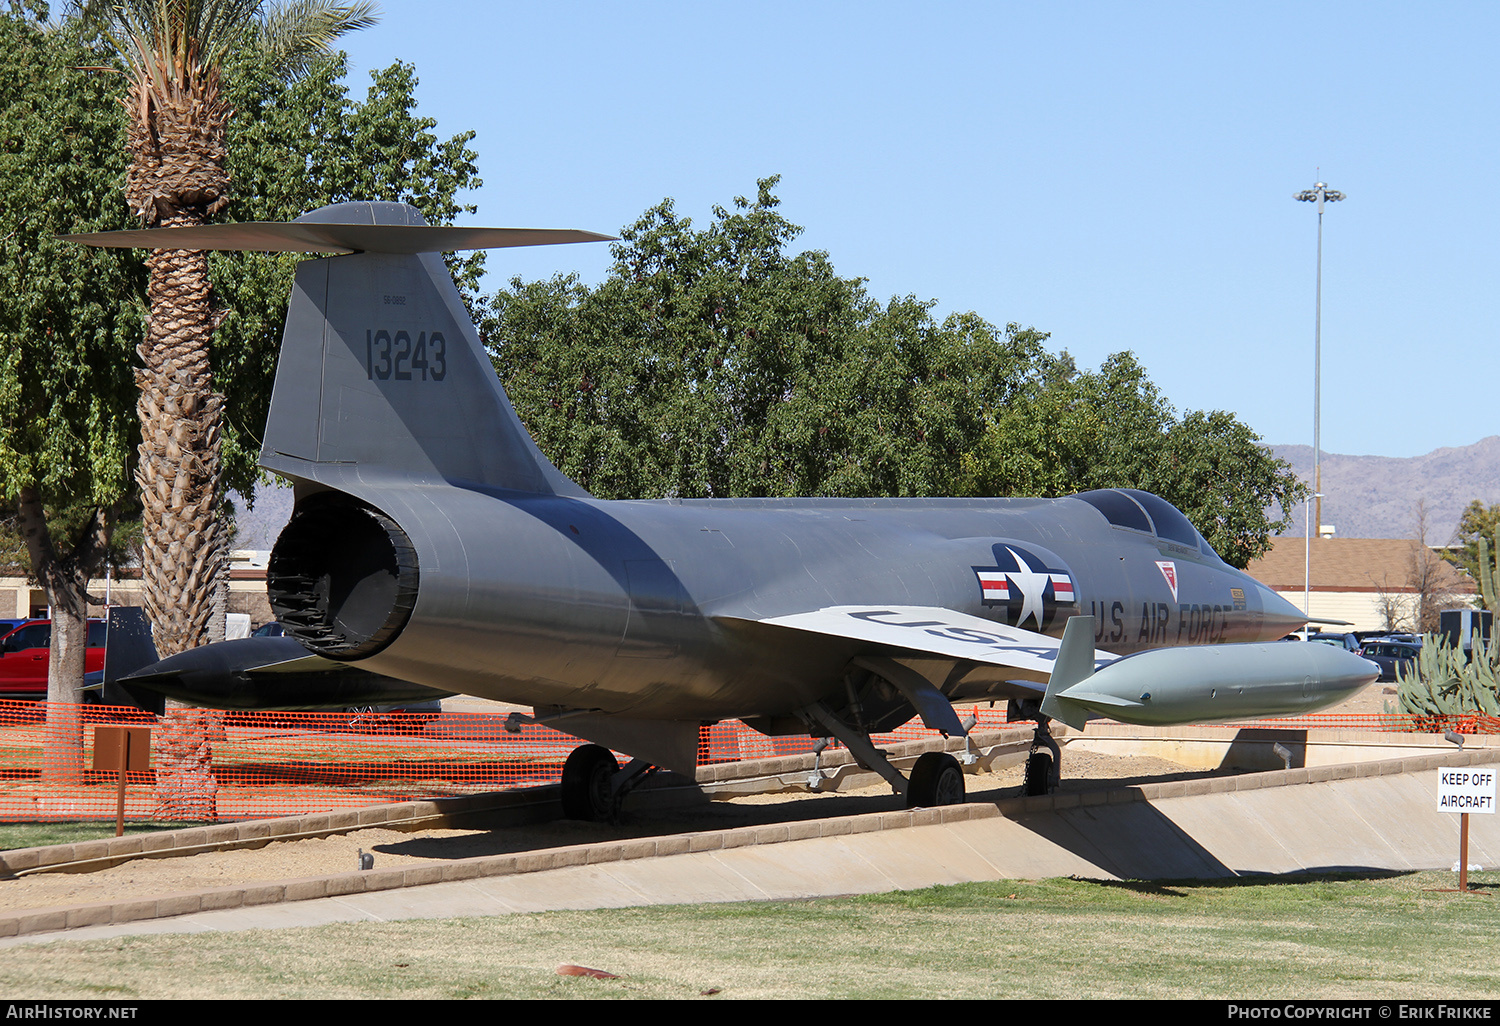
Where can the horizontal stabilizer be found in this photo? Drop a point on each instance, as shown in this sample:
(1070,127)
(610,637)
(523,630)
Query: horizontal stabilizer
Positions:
(306,663)
(320,237)
(272,673)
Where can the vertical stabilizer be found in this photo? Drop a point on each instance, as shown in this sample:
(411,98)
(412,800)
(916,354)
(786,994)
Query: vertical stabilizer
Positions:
(382,374)
(1075,664)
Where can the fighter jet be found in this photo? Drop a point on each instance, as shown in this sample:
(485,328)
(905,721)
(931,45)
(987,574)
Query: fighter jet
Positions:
(432,542)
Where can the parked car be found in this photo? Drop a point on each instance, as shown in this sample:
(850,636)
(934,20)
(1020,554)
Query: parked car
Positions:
(25,657)
(1348,642)
(1391,655)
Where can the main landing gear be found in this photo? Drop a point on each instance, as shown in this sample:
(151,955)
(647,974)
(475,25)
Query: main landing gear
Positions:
(936,779)
(594,786)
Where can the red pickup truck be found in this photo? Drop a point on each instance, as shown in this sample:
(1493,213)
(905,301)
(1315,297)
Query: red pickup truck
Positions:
(25,656)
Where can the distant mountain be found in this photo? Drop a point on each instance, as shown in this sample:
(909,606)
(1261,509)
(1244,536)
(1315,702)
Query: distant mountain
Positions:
(1376,496)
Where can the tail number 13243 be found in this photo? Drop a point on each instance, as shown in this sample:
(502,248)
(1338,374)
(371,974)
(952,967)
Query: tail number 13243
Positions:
(396,356)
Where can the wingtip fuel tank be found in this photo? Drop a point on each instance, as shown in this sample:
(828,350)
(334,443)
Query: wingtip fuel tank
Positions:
(1211,683)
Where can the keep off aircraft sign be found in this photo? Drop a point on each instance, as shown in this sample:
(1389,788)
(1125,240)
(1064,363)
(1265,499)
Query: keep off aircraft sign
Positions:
(1466,790)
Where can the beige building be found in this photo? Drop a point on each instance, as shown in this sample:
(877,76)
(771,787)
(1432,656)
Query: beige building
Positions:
(1365,581)
(247,591)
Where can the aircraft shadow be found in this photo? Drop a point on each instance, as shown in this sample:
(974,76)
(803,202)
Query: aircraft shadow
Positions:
(701,817)
(1173,888)
(510,839)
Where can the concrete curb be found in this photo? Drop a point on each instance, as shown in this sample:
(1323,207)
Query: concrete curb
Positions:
(88,856)
(47,920)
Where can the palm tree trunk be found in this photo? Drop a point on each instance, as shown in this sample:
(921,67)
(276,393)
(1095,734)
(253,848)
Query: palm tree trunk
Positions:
(178,474)
(178,471)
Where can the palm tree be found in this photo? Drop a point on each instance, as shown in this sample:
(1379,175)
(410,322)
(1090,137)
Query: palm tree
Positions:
(177,145)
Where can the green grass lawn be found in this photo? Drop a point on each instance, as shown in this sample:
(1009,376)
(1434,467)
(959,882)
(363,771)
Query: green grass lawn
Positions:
(35,835)
(1361,938)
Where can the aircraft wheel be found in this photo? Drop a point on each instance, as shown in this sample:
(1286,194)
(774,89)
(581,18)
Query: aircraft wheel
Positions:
(936,779)
(585,783)
(1038,774)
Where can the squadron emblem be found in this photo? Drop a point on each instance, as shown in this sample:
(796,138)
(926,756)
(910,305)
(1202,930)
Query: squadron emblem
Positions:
(1169,572)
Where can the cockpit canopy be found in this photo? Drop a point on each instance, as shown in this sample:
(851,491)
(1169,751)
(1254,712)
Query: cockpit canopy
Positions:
(1141,511)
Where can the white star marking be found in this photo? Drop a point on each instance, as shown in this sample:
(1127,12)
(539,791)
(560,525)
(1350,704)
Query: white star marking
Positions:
(1032,585)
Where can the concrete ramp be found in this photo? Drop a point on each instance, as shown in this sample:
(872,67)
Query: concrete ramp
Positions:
(1378,816)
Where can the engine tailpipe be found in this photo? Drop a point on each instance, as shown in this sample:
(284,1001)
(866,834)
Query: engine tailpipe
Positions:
(342,578)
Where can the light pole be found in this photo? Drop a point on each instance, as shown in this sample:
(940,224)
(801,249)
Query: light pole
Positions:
(1307,561)
(1318,194)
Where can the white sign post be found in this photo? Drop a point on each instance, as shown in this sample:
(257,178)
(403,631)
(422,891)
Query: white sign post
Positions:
(1463,790)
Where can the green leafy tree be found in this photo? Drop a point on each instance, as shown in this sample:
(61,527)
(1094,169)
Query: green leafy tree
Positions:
(712,362)
(1216,471)
(1477,523)
(1072,431)
(68,330)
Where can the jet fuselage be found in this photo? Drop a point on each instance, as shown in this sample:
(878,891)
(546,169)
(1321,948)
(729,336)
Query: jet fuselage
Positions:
(651,608)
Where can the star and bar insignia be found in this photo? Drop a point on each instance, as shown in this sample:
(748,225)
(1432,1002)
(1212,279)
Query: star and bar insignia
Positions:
(1026,586)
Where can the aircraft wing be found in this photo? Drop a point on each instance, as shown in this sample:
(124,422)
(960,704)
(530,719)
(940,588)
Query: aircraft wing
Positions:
(902,644)
(935,631)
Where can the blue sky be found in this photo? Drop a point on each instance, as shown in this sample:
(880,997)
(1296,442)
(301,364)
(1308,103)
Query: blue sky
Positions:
(1117,174)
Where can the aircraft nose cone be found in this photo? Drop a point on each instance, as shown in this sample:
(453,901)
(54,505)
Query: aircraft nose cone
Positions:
(1278,616)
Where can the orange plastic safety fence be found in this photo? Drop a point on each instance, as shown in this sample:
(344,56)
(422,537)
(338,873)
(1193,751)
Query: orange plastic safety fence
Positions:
(268,764)
(1468,723)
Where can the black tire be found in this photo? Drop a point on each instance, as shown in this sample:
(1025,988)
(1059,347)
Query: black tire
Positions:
(585,783)
(1038,774)
(937,779)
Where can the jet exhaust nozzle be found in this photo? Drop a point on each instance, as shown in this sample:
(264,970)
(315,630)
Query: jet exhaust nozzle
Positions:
(342,578)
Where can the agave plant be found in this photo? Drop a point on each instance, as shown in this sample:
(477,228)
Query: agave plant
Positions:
(1444,681)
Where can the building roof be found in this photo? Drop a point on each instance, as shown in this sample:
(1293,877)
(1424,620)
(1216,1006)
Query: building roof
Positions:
(1349,564)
